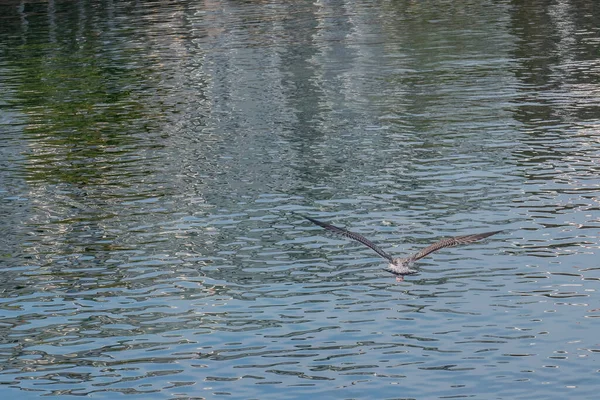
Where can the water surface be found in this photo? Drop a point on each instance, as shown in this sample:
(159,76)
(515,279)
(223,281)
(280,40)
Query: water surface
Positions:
(153,155)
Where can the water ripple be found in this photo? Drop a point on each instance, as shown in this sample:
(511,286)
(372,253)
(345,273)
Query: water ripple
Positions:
(153,157)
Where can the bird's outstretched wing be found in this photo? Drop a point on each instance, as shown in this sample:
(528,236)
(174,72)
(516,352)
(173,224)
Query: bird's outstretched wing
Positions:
(351,235)
(450,242)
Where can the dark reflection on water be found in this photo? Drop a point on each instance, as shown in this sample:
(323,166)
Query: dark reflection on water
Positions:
(152,154)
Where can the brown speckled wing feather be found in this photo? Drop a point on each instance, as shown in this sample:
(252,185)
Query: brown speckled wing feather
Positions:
(450,242)
(351,235)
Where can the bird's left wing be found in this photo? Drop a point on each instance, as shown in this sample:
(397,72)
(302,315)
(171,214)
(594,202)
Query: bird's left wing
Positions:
(351,235)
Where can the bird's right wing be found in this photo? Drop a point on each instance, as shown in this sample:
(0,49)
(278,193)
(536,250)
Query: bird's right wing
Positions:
(351,235)
(450,242)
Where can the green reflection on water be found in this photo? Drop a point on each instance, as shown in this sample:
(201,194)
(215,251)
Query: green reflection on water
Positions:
(80,93)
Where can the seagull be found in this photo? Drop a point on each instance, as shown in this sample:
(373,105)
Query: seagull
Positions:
(401,266)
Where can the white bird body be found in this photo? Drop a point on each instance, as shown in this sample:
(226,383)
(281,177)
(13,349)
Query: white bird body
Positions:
(401,266)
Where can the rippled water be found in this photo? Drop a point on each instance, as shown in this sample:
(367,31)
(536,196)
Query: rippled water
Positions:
(153,155)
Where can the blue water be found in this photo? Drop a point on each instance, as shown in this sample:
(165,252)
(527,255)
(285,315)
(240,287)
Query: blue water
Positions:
(154,158)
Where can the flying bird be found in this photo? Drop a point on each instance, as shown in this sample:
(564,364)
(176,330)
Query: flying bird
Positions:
(401,266)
